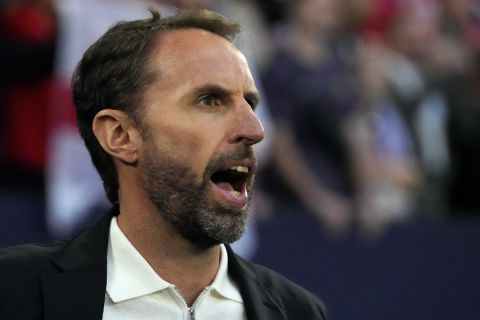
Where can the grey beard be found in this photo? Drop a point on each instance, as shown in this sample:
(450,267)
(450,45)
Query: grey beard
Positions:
(184,204)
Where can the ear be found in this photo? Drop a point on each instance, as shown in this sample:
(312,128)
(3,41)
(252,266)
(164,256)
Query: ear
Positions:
(117,135)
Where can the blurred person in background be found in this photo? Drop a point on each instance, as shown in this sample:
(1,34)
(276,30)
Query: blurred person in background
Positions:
(308,85)
(431,70)
(27,46)
(418,71)
(460,23)
(385,164)
(384,161)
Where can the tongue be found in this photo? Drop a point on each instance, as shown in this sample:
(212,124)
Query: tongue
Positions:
(225,186)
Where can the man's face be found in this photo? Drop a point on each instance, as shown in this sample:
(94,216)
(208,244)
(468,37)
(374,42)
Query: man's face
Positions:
(198,159)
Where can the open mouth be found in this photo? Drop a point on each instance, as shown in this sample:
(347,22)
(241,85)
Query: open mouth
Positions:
(232,180)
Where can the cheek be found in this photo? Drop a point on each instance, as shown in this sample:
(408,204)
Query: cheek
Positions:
(190,145)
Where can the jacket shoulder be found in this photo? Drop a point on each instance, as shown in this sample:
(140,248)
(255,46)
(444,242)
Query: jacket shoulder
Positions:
(295,299)
(20,270)
(28,256)
(24,262)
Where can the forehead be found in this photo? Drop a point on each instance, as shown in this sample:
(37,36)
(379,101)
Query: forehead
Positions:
(195,56)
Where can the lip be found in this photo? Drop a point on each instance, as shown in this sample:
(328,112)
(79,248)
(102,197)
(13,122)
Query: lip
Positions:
(224,196)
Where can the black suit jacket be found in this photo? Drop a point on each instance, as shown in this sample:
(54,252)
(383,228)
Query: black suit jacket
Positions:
(67,281)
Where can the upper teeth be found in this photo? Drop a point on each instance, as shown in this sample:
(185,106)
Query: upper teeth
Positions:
(239,169)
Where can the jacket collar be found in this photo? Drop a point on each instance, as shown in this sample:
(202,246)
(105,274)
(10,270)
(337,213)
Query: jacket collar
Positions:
(77,291)
(260,302)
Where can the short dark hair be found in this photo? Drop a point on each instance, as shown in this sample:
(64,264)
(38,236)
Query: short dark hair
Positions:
(113,72)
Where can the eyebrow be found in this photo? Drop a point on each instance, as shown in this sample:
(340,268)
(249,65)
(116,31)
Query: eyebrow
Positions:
(252,97)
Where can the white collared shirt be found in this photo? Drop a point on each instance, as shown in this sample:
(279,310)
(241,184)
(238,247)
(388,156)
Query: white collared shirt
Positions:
(135,291)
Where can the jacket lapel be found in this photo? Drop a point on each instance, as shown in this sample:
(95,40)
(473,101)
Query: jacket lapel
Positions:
(77,290)
(260,303)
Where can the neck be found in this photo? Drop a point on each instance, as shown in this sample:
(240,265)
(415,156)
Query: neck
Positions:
(174,259)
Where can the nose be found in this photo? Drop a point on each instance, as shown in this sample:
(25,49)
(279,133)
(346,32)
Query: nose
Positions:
(247,128)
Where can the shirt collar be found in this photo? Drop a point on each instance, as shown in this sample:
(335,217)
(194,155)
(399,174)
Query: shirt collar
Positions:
(130,276)
(223,283)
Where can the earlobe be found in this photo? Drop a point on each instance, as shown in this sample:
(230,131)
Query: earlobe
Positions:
(116,134)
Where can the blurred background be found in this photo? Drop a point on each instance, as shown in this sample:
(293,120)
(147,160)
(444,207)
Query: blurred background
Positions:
(369,188)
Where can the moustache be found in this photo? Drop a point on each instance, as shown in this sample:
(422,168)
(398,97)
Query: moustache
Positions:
(241,154)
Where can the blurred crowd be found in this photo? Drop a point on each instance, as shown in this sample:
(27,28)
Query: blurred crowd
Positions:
(372,109)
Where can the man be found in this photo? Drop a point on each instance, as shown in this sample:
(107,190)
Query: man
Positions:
(166,109)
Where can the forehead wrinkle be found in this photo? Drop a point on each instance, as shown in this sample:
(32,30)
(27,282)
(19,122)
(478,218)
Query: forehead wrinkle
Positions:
(216,61)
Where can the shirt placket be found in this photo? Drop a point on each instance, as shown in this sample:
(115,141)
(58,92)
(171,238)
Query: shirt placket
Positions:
(191,311)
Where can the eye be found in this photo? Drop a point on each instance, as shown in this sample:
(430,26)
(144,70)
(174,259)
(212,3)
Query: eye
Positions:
(209,101)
